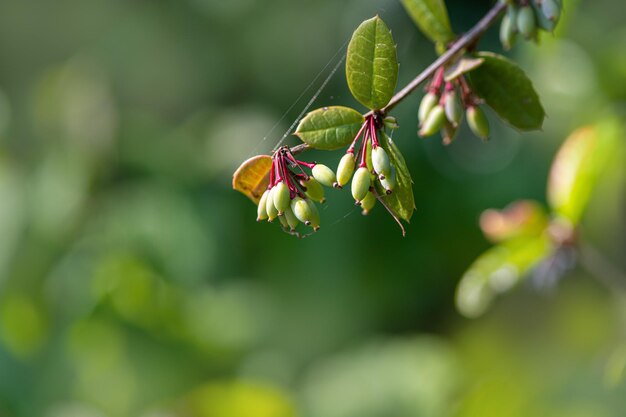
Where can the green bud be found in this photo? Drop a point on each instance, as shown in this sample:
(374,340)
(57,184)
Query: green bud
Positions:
(361,184)
(380,161)
(281,197)
(261,211)
(301,210)
(453,107)
(315,215)
(512,12)
(314,189)
(448,133)
(270,207)
(433,122)
(478,122)
(390,122)
(551,10)
(542,21)
(324,175)
(508,32)
(526,22)
(345,169)
(292,220)
(284,222)
(368,203)
(389,182)
(429,101)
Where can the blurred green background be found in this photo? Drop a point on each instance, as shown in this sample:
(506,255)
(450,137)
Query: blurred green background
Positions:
(135,282)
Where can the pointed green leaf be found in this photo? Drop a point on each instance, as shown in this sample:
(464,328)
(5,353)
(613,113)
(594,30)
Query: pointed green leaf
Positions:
(401,201)
(431,17)
(330,128)
(497,271)
(508,91)
(372,64)
(578,165)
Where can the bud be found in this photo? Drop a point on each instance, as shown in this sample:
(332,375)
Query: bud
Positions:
(315,215)
(551,10)
(292,220)
(368,203)
(261,210)
(281,197)
(284,222)
(345,169)
(314,189)
(324,175)
(478,122)
(429,101)
(361,184)
(380,161)
(448,133)
(453,108)
(526,22)
(433,122)
(389,182)
(301,210)
(270,207)
(508,31)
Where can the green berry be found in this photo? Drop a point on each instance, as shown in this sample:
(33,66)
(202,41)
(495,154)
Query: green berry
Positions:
(361,184)
(261,210)
(429,101)
(314,189)
(526,22)
(478,122)
(453,108)
(551,10)
(281,197)
(324,175)
(389,182)
(315,215)
(390,122)
(301,210)
(292,220)
(368,203)
(380,161)
(433,122)
(368,156)
(448,133)
(508,32)
(345,169)
(270,207)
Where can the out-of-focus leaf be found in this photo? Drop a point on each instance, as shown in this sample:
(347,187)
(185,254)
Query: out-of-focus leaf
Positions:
(238,399)
(508,91)
(521,218)
(431,17)
(401,201)
(372,64)
(253,177)
(22,324)
(578,165)
(462,66)
(330,128)
(497,271)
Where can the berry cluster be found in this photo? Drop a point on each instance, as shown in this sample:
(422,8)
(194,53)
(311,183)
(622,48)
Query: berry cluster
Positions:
(527,17)
(443,106)
(373,165)
(291,192)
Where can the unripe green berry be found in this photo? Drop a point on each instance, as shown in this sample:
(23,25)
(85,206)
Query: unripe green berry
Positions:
(453,108)
(390,122)
(551,10)
(281,197)
(301,210)
(292,220)
(429,101)
(380,161)
(324,175)
(283,221)
(368,156)
(261,210)
(448,133)
(270,207)
(512,12)
(389,182)
(368,203)
(542,21)
(315,215)
(433,122)
(478,122)
(526,22)
(361,184)
(345,169)
(508,32)
(314,189)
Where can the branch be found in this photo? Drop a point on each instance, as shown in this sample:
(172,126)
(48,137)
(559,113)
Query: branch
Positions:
(468,39)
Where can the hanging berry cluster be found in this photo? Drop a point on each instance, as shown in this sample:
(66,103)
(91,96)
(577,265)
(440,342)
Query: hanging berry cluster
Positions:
(443,106)
(528,17)
(291,192)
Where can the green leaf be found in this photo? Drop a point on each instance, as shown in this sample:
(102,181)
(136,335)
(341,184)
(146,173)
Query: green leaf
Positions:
(372,64)
(497,271)
(578,165)
(431,17)
(330,128)
(508,91)
(401,201)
